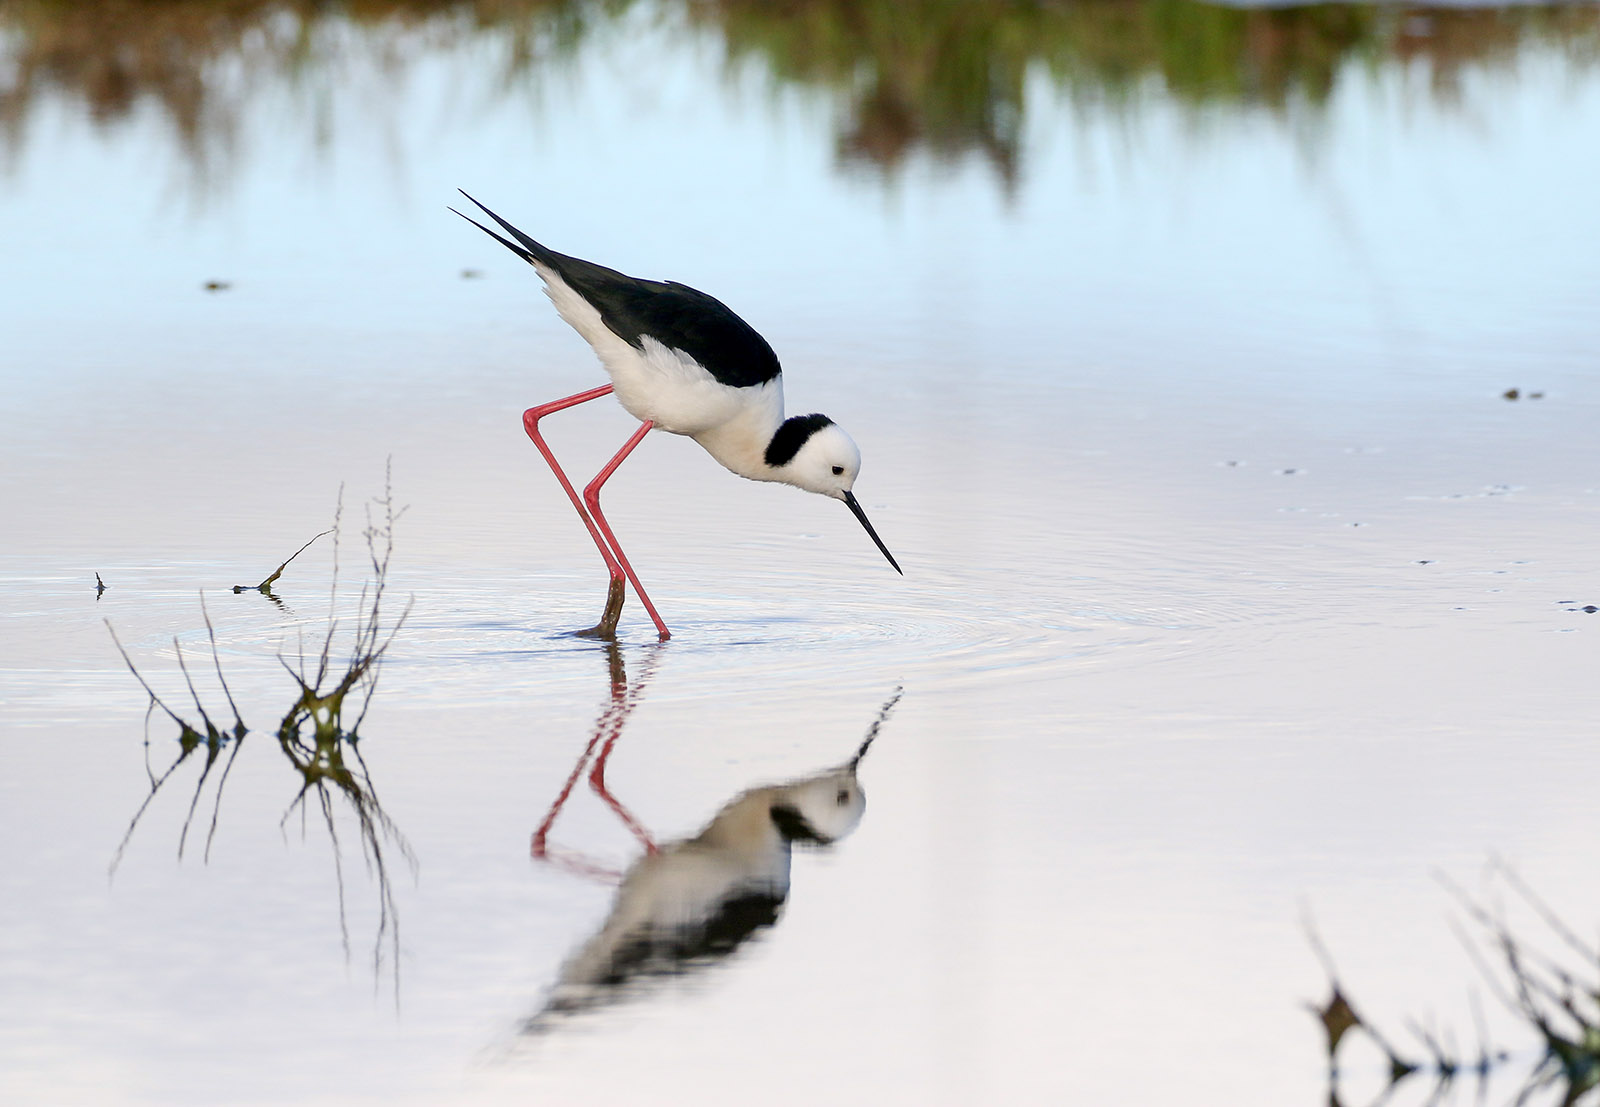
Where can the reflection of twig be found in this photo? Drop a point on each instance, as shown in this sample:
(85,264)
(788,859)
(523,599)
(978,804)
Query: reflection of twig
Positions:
(189,739)
(1339,1017)
(1544,993)
(321,764)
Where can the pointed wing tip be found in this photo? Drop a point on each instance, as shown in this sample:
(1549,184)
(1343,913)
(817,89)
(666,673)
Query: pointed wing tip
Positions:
(529,249)
(522,253)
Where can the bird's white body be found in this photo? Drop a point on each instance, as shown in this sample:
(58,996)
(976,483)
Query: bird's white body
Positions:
(657,384)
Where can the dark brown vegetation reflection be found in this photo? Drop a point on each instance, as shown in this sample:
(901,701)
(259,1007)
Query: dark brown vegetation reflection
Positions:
(945,77)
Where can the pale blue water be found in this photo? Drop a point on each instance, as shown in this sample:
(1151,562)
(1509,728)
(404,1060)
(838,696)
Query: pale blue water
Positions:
(1232,583)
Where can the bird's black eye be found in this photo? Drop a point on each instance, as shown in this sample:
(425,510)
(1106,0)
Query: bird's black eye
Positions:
(842,798)
(838,470)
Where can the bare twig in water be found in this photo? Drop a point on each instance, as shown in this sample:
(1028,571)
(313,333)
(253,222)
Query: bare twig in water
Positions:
(322,761)
(265,587)
(313,735)
(1560,1001)
(99,586)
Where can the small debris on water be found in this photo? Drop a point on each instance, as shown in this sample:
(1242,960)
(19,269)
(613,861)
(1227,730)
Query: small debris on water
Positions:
(471,274)
(99,586)
(217,286)
(1290,472)
(1426,561)
(1511,394)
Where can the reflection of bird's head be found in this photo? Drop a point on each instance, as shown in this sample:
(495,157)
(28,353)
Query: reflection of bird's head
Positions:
(822,809)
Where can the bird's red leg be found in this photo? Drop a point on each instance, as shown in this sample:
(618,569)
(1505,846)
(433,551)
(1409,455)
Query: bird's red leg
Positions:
(607,627)
(591,497)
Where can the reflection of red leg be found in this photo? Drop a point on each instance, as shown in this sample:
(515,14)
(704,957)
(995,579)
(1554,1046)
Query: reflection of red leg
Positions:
(539,850)
(591,497)
(607,729)
(597,781)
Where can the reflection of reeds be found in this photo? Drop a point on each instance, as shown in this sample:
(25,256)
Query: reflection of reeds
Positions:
(200,61)
(314,735)
(947,77)
(1558,996)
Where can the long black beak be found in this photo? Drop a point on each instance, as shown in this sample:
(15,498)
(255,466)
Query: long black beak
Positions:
(850,502)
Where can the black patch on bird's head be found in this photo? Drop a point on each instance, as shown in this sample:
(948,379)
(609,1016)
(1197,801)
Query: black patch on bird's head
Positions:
(791,436)
(794,826)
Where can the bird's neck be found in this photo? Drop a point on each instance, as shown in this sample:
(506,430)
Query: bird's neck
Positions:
(740,443)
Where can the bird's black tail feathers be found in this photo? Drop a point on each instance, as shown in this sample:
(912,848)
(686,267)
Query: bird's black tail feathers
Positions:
(528,250)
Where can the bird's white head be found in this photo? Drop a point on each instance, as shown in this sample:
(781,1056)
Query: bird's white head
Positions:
(822,809)
(826,461)
(813,452)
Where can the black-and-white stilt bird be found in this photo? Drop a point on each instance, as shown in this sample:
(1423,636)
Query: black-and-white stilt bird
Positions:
(680,361)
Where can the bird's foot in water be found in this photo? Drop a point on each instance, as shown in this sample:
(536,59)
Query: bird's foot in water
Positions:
(607,626)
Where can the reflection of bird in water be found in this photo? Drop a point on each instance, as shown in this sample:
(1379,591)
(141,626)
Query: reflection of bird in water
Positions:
(680,361)
(687,904)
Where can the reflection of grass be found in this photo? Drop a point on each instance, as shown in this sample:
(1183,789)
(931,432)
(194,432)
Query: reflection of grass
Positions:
(315,737)
(949,75)
(201,60)
(943,76)
(1558,996)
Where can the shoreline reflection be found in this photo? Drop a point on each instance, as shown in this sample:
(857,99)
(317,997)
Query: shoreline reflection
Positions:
(923,78)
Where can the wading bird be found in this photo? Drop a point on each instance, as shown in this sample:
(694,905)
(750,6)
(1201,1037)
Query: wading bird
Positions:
(680,361)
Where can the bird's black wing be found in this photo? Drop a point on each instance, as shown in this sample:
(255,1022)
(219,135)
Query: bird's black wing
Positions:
(675,315)
(680,318)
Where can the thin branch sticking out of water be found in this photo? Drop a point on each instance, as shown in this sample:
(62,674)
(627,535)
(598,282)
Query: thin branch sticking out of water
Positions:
(332,755)
(265,587)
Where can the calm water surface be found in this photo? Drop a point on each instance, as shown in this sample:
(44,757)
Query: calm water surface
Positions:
(1234,585)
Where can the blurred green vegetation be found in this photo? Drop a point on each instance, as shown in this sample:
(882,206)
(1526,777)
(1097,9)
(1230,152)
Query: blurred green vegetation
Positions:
(950,78)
